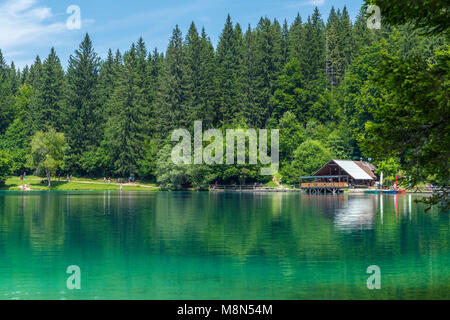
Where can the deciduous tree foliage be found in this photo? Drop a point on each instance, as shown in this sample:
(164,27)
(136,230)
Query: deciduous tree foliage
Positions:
(432,16)
(47,152)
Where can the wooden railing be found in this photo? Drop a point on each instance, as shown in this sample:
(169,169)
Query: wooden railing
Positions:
(257,187)
(234,187)
(330,185)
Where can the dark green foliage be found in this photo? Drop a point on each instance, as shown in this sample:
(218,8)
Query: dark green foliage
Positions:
(47,104)
(432,16)
(125,130)
(172,105)
(229,72)
(309,157)
(83,116)
(411,119)
(5,166)
(339,45)
(17,137)
(200,73)
(6,96)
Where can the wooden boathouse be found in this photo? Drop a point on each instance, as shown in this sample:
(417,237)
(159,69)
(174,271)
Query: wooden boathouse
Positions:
(338,175)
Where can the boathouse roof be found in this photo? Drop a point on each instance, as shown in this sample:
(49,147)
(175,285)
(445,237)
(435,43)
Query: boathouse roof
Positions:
(358,170)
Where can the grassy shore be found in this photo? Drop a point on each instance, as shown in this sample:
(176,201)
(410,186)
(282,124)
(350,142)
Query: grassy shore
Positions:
(77,184)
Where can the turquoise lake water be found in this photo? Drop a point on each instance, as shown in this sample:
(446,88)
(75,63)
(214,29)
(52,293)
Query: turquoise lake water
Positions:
(221,246)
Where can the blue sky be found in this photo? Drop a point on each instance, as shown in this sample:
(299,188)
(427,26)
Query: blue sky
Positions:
(31,27)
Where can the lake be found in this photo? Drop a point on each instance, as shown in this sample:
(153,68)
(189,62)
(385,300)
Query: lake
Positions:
(141,245)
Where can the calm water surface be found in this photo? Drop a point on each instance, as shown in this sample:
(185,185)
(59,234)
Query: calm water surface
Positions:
(220,246)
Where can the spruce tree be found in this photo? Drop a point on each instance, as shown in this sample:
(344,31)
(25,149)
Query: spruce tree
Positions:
(35,74)
(125,130)
(295,39)
(250,75)
(155,63)
(285,42)
(313,59)
(47,104)
(144,70)
(269,59)
(335,60)
(6,96)
(229,72)
(193,56)
(175,95)
(106,82)
(200,70)
(208,86)
(84,116)
(346,39)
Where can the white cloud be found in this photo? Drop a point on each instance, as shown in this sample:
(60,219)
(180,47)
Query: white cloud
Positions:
(317,3)
(24,22)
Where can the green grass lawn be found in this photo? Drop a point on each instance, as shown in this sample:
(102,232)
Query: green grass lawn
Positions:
(34,183)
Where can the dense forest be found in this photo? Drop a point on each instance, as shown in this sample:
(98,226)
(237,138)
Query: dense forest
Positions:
(333,87)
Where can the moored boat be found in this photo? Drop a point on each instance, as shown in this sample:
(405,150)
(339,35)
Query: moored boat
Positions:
(372,191)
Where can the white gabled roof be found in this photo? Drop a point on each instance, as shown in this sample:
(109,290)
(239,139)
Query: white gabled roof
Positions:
(353,169)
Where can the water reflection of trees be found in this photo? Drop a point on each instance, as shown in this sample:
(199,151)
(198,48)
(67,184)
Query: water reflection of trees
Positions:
(289,230)
(237,224)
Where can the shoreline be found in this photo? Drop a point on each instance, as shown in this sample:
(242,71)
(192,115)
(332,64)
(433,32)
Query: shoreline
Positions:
(157,189)
(34,183)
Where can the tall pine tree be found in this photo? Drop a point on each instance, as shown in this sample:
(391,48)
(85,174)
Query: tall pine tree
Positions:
(47,104)
(84,116)
(125,130)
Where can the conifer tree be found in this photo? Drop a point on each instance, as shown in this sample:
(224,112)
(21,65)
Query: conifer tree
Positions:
(125,130)
(200,70)
(229,72)
(269,64)
(107,76)
(249,74)
(35,74)
(144,70)
(285,42)
(84,116)
(6,96)
(47,104)
(346,39)
(174,96)
(295,39)
(313,60)
(335,64)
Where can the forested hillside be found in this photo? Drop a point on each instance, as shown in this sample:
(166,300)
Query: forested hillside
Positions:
(315,80)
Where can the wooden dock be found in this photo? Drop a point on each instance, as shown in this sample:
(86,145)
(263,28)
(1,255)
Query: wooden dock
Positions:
(248,188)
(324,187)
